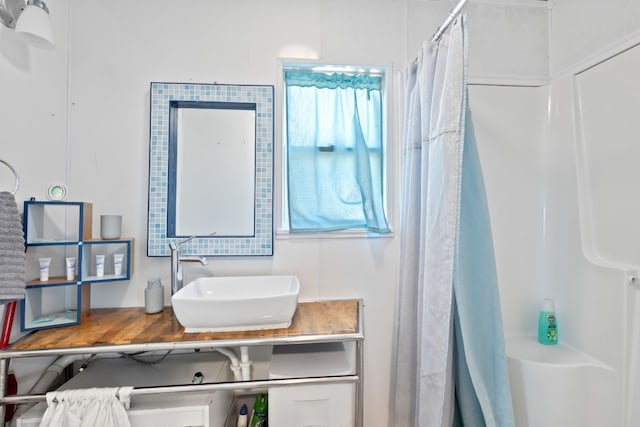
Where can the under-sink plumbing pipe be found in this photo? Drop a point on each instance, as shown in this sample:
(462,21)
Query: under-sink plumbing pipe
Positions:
(245,363)
(49,377)
(235,362)
(53,372)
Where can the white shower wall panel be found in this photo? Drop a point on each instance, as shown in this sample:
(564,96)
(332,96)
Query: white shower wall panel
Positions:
(526,140)
(589,295)
(510,126)
(533,169)
(609,101)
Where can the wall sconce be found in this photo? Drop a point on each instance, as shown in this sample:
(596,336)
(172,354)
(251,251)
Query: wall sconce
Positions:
(30,20)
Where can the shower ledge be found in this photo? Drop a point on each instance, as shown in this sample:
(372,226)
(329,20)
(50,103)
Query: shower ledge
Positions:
(528,349)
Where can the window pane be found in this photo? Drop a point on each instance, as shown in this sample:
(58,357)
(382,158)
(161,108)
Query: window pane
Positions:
(334,152)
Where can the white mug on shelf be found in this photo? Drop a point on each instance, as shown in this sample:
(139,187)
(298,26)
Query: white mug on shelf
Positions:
(110,227)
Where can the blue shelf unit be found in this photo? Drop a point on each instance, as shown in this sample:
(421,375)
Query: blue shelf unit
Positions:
(57,230)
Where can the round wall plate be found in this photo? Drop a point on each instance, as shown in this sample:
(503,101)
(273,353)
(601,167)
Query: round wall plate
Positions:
(57,192)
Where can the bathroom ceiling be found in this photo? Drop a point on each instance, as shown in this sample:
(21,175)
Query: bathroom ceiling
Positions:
(509,1)
(505,2)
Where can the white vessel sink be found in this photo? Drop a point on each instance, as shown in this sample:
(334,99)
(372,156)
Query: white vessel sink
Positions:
(236,303)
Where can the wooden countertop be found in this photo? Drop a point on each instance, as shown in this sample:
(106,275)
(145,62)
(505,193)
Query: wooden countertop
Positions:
(122,326)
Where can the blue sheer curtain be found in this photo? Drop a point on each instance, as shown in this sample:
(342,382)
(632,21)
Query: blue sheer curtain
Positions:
(334,152)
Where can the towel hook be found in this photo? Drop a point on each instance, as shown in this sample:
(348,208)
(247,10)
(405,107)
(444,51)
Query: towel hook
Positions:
(15,189)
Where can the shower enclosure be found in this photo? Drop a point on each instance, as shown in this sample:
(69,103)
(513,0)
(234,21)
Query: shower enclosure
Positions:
(561,174)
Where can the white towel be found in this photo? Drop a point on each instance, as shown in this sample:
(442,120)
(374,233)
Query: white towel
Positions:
(12,257)
(91,407)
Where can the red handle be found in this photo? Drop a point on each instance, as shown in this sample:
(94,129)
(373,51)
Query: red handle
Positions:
(9,312)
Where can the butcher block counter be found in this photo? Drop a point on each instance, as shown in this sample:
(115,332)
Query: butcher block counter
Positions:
(121,330)
(131,326)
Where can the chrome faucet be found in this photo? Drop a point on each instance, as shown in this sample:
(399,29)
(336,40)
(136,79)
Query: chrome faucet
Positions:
(177,278)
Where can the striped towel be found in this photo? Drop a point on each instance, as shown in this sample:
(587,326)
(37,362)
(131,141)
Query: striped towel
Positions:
(12,256)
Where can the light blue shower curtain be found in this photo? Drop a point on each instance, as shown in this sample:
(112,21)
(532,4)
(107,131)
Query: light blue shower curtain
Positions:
(450,362)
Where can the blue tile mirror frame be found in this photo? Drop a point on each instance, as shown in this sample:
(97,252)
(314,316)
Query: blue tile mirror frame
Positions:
(210,171)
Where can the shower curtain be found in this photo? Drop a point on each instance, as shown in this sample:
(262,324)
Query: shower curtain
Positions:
(450,362)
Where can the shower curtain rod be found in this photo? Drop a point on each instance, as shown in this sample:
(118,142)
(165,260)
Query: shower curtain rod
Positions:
(456,10)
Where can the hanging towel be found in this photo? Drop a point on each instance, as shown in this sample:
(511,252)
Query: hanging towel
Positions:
(12,257)
(92,407)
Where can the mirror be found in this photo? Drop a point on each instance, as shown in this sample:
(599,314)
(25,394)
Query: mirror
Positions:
(211,142)
(211,169)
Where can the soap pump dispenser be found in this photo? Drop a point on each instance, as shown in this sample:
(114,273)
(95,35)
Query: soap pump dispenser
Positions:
(548,324)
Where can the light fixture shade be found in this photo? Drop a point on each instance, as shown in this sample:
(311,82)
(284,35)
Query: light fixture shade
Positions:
(34,27)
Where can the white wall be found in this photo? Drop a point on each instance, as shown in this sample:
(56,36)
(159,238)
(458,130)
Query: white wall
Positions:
(79,115)
(583,31)
(33,108)
(508,40)
(224,42)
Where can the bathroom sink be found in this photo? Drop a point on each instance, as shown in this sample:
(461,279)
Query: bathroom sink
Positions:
(236,303)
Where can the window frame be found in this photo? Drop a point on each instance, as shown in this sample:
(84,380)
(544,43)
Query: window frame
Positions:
(281,211)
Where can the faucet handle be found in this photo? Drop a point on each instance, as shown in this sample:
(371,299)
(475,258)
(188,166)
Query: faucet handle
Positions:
(183,241)
(174,246)
(194,258)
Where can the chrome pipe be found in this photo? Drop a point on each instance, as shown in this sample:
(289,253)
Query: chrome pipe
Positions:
(442,28)
(242,385)
(359,386)
(4,381)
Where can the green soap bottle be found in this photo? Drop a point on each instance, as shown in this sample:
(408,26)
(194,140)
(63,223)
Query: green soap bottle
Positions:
(259,417)
(548,324)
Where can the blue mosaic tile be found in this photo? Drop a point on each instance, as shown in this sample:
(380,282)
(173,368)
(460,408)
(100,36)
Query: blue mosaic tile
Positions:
(262,96)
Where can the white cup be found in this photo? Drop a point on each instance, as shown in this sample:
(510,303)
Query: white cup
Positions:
(110,227)
(154,300)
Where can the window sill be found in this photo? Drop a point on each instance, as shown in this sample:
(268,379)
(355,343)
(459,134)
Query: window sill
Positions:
(282,234)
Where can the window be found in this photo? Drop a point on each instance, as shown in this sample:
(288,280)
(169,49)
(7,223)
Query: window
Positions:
(334,151)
